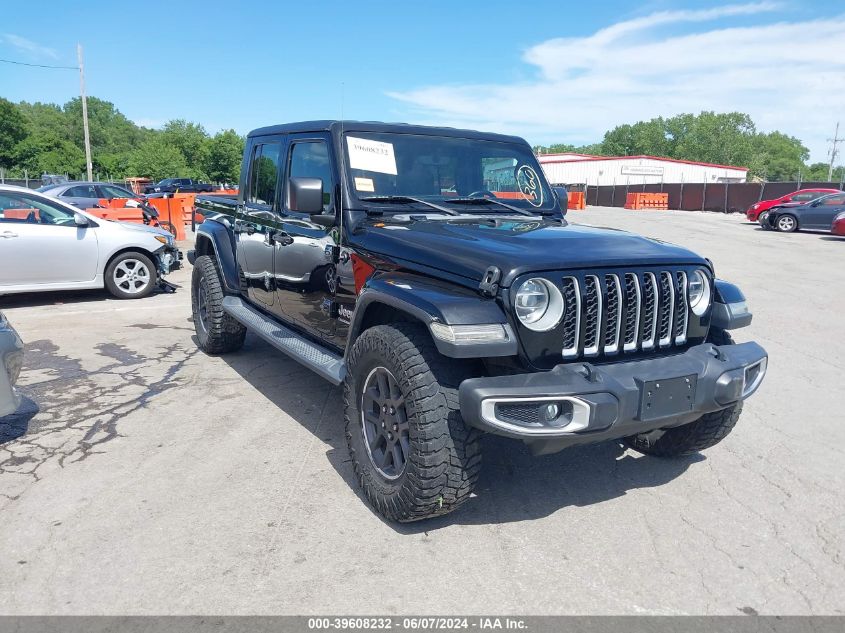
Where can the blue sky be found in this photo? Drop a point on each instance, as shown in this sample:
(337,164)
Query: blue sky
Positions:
(548,70)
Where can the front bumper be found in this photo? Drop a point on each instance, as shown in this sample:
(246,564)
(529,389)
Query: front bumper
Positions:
(169,259)
(598,403)
(11,357)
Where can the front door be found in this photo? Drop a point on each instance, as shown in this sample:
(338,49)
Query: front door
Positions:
(304,269)
(258,218)
(40,243)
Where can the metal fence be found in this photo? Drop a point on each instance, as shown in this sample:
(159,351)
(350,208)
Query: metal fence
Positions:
(723,197)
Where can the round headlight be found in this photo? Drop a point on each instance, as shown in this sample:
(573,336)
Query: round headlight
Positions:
(538,304)
(699,292)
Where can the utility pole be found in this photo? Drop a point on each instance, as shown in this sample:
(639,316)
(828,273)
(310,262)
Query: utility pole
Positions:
(833,151)
(88,165)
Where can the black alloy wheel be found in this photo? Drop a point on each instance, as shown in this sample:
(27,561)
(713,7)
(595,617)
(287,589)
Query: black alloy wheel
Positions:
(384,423)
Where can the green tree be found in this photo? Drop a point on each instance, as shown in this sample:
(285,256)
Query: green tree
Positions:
(13,130)
(776,156)
(192,140)
(44,152)
(643,137)
(156,159)
(223,159)
(717,138)
(817,172)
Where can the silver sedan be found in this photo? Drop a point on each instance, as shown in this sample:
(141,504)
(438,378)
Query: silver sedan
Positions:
(11,356)
(46,244)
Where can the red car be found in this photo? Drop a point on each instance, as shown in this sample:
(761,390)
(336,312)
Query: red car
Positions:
(838,226)
(801,196)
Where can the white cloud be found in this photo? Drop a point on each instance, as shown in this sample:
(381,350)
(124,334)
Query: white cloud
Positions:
(28,47)
(788,76)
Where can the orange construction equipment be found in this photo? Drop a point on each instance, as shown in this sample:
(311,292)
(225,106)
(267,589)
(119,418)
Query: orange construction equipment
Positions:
(639,201)
(577,200)
(125,214)
(171,213)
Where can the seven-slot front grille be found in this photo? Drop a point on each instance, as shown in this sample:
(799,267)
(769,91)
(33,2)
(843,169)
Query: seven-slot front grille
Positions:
(612,313)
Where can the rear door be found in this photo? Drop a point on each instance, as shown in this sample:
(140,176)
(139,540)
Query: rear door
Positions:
(82,196)
(820,217)
(41,244)
(258,217)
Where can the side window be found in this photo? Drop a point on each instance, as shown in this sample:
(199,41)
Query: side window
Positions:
(264,174)
(834,201)
(803,197)
(81,191)
(111,191)
(25,209)
(310,159)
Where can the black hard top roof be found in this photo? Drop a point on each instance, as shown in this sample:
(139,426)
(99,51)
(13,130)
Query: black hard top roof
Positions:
(376,126)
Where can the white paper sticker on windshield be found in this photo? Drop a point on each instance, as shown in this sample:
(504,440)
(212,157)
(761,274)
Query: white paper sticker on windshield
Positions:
(371,155)
(364,184)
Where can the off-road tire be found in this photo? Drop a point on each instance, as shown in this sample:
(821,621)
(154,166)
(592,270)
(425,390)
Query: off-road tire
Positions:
(445,455)
(118,292)
(706,431)
(221,333)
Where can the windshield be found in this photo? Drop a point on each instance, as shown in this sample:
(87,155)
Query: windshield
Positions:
(439,169)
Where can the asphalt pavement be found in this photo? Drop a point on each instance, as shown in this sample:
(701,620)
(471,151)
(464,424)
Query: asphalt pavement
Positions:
(144,477)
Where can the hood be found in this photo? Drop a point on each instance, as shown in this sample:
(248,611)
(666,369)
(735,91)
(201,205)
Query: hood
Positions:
(467,247)
(141,228)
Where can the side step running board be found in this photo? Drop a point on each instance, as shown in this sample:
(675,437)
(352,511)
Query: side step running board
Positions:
(328,365)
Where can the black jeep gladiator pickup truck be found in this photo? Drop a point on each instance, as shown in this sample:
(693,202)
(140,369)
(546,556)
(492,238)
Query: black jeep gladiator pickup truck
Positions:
(432,273)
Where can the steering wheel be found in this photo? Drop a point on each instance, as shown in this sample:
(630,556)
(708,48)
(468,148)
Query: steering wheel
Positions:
(482,193)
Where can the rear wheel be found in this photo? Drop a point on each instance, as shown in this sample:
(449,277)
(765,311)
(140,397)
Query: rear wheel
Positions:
(410,449)
(217,332)
(786,224)
(706,431)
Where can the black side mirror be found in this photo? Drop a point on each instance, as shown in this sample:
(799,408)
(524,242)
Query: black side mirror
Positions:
(306,195)
(562,199)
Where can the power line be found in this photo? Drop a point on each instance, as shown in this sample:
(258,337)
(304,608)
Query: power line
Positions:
(10,61)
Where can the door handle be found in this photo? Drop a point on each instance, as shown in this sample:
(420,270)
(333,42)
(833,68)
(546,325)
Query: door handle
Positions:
(8,234)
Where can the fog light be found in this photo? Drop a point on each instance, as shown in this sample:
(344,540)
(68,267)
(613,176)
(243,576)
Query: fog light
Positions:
(753,377)
(550,412)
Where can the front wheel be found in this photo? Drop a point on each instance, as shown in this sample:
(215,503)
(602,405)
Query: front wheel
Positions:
(700,434)
(410,449)
(131,275)
(786,224)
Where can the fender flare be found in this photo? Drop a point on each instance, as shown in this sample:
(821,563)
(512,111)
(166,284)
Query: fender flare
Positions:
(432,301)
(730,309)
(224,252)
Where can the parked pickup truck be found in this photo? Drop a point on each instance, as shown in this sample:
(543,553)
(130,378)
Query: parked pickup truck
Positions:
(182,185)
(432,273)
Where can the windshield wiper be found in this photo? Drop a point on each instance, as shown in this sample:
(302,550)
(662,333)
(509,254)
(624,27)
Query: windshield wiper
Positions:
(491,201)
(408,200)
